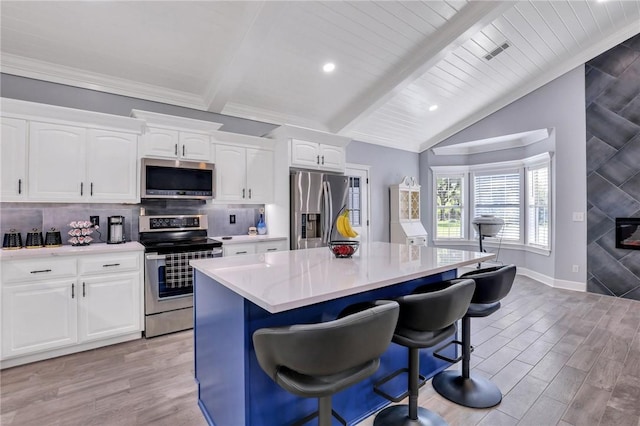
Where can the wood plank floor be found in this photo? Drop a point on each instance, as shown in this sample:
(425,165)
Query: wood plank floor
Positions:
(560,358)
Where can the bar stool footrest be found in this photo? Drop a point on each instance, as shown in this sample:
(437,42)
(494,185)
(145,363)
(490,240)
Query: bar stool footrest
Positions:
(315,414)
(377,385)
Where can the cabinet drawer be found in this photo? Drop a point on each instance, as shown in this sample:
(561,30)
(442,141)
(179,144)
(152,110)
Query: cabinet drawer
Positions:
(109,263)
(269,246)
(238,249)
(38,269)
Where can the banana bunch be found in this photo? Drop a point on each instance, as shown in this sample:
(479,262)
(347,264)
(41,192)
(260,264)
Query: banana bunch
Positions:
(343,225)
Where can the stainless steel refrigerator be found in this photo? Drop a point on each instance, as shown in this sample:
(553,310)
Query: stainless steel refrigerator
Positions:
(316,199)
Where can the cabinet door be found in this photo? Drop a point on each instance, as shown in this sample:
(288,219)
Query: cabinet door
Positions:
(259,175)
(271,246)
(109,305)
(160,143)
(305,154)
(111,166)
(38,317)
(13,165)
(56,162)
(194,146)
(238,249)
(415,205)
(231,166)
(332,157)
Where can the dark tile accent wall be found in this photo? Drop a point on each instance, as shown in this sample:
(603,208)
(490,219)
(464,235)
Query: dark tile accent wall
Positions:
(613,167)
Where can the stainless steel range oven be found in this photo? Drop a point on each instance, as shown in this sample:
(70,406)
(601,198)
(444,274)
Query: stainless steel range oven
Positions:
(170,242)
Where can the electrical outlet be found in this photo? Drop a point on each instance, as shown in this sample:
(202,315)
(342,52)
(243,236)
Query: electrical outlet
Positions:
(232,219)
(95,220)
(575,268)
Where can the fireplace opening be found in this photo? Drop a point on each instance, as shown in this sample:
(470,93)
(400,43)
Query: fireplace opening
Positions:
(628,233)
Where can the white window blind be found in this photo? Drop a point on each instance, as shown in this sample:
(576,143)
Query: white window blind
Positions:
(449,207)
(498,194)
(353,201)
(538,211)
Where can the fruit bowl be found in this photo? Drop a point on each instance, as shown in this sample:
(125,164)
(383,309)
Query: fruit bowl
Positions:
(343,249)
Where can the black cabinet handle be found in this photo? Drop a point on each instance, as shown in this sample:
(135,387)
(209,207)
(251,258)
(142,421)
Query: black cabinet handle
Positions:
(81,188)
(241,252)
(323,159)
(249,192)
(73,287)
(243,192)
(317,159)
(272,249)
(92,189)
(40,271)
(19,186)
(175,151)
(183,150)
(106,265)
(83,292)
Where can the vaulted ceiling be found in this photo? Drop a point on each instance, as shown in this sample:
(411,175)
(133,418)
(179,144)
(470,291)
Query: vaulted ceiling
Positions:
(263,60)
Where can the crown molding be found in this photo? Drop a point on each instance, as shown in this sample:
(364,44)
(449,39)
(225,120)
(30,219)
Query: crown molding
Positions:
(155,119)
(68,116)
(387,143)
(516,140)
(47,71)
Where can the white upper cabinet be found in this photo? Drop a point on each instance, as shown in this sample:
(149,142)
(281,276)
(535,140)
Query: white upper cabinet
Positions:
(312,155)
(56,162)
(167,143)
(111,166)
(243,174)
(13,166)
(56,154)
(195,146)
(68,163)
(168,136)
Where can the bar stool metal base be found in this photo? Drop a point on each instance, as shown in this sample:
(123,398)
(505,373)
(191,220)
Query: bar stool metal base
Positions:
(473,392)
(398,415)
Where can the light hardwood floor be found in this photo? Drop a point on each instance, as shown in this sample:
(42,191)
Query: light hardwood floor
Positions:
(560,357)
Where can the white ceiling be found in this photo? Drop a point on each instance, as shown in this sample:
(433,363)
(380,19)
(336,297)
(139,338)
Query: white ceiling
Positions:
(262,59)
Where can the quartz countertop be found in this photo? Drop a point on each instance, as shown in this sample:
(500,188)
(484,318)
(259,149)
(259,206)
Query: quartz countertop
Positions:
(284,280)
(241,239)
(69,250)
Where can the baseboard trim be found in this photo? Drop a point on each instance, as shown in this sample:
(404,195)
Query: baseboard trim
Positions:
(544,279)
(553,282)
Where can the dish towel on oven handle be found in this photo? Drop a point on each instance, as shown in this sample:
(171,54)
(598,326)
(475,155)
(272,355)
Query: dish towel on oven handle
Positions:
(178,273)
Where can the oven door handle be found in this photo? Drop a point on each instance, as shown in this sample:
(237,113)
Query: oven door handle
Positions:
(217,252)
(155,256)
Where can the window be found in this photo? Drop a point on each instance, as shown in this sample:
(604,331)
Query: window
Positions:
(498,194)
(538,212)
(519,192)
(449,207)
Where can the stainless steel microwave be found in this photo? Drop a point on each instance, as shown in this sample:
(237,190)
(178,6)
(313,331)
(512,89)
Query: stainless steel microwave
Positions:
(176,179)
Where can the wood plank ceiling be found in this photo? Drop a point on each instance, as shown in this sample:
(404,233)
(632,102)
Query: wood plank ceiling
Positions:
(262,60)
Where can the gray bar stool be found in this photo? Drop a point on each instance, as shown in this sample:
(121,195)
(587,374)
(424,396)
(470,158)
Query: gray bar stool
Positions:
(466,389)
(319,360)
(425,320)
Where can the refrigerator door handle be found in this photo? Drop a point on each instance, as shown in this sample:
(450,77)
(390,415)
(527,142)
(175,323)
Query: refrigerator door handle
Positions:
(325,212)
(330,215)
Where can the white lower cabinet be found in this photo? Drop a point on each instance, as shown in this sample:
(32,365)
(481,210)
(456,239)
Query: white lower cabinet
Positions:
(58,305)
(256,247)
(38,317)
(109,306)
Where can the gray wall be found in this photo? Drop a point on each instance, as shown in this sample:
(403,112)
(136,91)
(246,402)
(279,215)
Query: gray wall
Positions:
(559,105)
(388,167)
(613,167)
(28,89)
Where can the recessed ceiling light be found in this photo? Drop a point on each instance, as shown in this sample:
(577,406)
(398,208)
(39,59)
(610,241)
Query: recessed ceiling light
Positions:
(329,67)
(433,107)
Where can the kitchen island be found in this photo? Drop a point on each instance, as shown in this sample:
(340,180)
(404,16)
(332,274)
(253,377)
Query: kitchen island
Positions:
(236,296)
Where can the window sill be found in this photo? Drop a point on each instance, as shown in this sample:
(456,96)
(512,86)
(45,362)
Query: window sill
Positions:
(493,245)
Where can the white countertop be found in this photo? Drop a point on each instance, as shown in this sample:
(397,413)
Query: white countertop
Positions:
(69,250)
(241,239)
(285,280)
